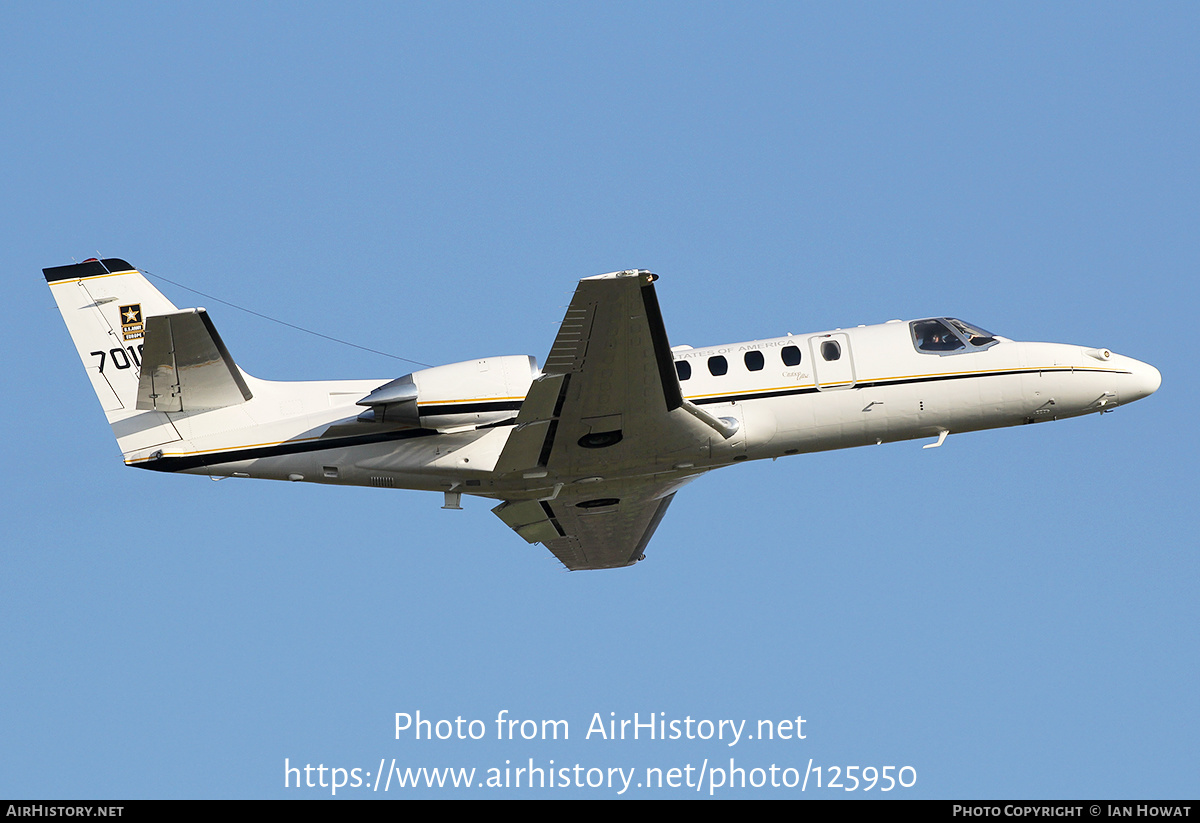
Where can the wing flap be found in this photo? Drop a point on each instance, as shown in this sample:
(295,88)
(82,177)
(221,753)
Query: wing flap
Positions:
(530,519)
(591,533)
(532,438)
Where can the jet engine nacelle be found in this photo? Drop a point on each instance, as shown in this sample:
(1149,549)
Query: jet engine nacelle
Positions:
(472,393)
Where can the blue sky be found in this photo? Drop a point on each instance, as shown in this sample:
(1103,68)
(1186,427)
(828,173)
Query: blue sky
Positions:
(431,180)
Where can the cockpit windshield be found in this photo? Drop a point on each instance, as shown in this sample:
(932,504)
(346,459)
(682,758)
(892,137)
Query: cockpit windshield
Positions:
(972,334)
(948,335)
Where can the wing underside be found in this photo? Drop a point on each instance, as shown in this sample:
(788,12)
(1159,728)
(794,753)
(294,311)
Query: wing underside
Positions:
(590,533)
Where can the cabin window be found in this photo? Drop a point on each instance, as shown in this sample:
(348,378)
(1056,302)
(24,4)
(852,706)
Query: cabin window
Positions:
(830,350)
(718,365)
(790,355)
(754,361)
(683,368)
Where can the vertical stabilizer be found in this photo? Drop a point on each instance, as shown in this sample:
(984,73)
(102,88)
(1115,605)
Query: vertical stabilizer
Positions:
(105,304)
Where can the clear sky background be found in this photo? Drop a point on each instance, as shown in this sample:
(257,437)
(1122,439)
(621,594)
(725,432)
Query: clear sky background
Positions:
(431,180)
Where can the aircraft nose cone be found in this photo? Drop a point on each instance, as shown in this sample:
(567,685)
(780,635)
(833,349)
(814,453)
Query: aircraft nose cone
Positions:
(1145,380)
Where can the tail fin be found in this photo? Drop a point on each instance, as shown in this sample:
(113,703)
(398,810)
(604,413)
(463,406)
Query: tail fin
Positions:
(106,305)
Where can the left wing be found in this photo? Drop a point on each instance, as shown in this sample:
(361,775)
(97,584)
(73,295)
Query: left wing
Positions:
(604,432)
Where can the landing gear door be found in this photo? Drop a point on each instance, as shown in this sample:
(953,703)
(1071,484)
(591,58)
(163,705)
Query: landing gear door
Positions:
(833,364)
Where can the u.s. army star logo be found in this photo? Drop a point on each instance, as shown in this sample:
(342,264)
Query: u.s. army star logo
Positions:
(131,321)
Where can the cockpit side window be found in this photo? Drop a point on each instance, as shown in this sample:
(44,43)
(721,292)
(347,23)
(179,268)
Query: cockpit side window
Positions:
(946,335)
(935,336)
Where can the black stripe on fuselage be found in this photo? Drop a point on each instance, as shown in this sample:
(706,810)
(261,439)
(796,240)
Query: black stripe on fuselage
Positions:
(892,381)
(195,461)
(469,408)
(182,463)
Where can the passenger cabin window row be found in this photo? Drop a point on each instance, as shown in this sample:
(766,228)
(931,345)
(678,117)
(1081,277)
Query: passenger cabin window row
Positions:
(754,361)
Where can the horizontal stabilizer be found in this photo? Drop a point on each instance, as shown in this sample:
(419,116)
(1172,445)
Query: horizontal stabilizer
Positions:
(186,367)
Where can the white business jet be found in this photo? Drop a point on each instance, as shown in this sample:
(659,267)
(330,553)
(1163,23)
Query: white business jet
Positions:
(586,453)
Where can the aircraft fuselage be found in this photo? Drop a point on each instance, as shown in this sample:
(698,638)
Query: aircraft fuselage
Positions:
(879,389)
